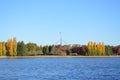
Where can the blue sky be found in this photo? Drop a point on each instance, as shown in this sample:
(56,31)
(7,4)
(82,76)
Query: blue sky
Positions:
(79,21)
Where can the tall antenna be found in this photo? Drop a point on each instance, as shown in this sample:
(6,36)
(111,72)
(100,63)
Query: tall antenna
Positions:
(60,41)
(60,38)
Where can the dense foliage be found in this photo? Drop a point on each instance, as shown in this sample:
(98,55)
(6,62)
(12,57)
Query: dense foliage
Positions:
(95,49)
(14,48)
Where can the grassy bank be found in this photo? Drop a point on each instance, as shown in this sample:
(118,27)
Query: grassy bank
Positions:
(57,56)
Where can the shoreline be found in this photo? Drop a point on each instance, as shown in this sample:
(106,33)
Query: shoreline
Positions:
(7,57)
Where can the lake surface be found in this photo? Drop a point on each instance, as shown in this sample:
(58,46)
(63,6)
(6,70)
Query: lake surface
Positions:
(60,69)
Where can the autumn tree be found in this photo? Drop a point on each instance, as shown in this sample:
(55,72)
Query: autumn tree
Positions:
(89,49)
(68,49)
(3,49)
(83,50)
(95,49)
(14,43)
(10,47)
(0,48)
(60,50)
(75,49)
(103,49)
(116,50)
(98,50)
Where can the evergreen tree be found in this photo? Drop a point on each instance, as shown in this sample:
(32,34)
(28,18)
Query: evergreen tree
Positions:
(47,50)
(31,48)
(108,50)
(21,49)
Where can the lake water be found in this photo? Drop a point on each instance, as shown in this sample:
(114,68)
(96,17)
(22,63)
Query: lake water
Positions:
(60,69)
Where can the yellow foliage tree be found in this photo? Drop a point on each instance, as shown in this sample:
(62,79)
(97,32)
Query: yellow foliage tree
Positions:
(95,49)
(3,49)
(14,46)
(0,48)
(10,47)
(103,49)
(100,49)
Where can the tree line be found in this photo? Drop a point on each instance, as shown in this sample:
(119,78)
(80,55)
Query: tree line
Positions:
(13,48)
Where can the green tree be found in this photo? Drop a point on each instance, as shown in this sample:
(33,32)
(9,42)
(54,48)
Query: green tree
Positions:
(39,50)
(31,48)
(21,49)
(51,49)
(108,50)
(46,50)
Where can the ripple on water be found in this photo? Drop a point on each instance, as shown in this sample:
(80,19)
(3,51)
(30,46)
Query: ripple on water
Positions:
(60,69)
